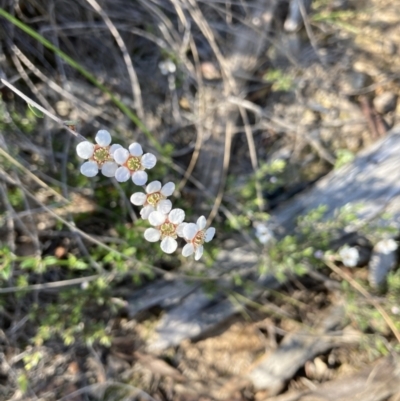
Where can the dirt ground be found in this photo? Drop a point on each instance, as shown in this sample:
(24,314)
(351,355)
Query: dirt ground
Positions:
(313,98)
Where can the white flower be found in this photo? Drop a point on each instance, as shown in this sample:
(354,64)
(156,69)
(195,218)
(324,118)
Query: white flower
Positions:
(386,246)
(167,228)
(100,156)
(263,233)
(167,67)
(196,235)
(133,163)
(154,199)
(349,256)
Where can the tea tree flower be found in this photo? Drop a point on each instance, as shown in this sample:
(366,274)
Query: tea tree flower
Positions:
(167,228)
(196,235)
(133,163)
(386,246)
(167,67)
(154,199)
(99,155)
(349,256)
(263,233)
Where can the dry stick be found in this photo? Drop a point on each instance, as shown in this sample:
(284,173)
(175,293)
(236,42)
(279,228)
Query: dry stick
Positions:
(253,158)
(367,295)
(42,109)
(54,284)
(225,167)
(136,91)
(309,31)
(201,110)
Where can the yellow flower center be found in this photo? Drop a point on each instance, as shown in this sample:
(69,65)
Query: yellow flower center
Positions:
(101,154)
(199,238)
(168,229)
(133,163)
(154,198)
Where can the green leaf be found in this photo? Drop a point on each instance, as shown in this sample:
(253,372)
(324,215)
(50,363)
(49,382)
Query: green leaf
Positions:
(35,111)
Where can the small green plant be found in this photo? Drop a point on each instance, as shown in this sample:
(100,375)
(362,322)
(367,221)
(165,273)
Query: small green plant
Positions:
(343,156)
(79,314)
(279,80)
(270,177)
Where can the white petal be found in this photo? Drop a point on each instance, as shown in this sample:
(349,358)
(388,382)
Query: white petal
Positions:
(209,234)
(139,177)
(109,169)
(113,148)
(135,149)
(85,149)
(103,137)
(121,155)
(89,169)
(146,211)
(157,218)
(152,235)
(190,230)
(138,198)
(199,252)
(179,229)
(169,245)
(176,216)
(168,189)
(122,174)
(164,206)
(149,160)
(187,250)
(201,222)
(154,186)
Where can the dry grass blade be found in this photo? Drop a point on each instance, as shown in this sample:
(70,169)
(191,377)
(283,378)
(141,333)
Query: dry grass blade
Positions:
(128,61)
(32,176)
(42,109)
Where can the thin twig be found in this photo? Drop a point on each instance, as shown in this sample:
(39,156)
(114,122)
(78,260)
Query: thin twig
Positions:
(42,109)
(253,158)
(136,91)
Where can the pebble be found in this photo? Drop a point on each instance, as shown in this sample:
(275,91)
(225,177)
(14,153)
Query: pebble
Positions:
(385,103)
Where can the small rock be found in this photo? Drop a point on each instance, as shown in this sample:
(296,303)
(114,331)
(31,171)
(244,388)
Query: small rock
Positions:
(385,102)
(210,71)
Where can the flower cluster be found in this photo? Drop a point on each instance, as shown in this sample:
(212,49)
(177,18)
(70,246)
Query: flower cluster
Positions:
(124,164)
